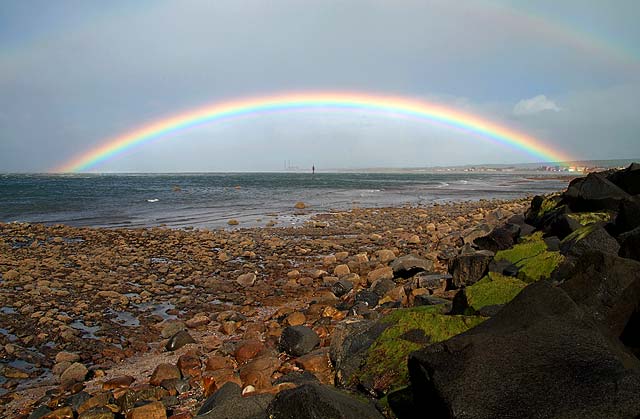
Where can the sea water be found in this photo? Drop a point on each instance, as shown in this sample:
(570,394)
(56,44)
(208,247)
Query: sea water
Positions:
(209,200)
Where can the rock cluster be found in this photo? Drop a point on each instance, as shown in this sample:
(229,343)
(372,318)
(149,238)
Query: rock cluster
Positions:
(467,310)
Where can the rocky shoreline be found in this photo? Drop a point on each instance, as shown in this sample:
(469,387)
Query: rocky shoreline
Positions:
(320,320)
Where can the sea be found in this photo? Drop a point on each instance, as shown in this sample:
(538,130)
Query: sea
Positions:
(210,200)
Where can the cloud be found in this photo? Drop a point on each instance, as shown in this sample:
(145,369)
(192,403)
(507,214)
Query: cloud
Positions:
(534,105)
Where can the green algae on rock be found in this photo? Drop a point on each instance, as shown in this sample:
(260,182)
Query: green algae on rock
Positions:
(532,258)
(493,289)
(385,365)
(588,218)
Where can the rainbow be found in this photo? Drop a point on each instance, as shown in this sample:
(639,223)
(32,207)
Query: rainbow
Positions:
(402,106)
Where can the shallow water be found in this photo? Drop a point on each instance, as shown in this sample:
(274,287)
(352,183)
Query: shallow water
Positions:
(210,200)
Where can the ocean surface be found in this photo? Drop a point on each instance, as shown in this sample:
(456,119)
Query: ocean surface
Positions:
(209,200)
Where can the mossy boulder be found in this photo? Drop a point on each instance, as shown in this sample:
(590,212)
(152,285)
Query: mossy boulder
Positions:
(384,365)
(492,290)
(540,207)
(532,258)
(588,218)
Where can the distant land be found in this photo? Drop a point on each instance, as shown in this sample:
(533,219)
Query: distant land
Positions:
(578,166)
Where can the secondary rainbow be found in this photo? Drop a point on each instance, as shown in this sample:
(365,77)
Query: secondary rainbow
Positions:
(392,105)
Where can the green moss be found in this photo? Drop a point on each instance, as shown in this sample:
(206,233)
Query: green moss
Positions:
(493,289)
(548,204)
(386,362)
(587,218)
(580,233)
(532,258)
(530,247)
(539,267)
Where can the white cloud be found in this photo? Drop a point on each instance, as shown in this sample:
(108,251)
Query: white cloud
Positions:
(534,105)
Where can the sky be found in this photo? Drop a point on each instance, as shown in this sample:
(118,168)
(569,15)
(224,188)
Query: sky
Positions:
(74,74)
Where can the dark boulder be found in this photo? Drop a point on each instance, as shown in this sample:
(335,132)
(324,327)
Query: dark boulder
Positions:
(627,179)
(370,298)
(594,192)
(341,287)
(500,238)
(630,244)
(349,345)
(315,401)
(383,286)
(539,357)
(298,340)
(628,217)
(560,225)
(606,287)
(469,267)
(591,237)
(228,403)
(431,281)
(504,267)
(178,340)
(408,265)
(540,207)
(430,300)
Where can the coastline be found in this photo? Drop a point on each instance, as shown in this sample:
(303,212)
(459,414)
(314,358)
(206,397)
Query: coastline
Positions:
(110,295)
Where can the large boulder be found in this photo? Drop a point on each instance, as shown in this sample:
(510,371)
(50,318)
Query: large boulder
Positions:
(408,265)
(628,215)
(630,244)
(594,192)
(530,260)
(586,239)
(606,287)
(315,401)
(298,340)
(500,238)
(373,356)
(468,267)
(228,403)
(627,179)
(539,357)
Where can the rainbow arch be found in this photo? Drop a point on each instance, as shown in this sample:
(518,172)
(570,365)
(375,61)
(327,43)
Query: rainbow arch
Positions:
(425,110)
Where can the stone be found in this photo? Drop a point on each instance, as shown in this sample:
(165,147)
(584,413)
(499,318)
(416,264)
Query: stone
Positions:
(213,380)
(168,328)
(341,287)
(430,281)
(67,357)
(258,371)
(76,373)
(228,403)
(248,350)
(408,265)
(429,300)
(380,274)
(594,192)
(296,319)
(318,363)
(97,413)
(118,382)
(628,217)
(61,413)
(189,365)
(233,222)
(382,286)
(300,205)
(606,287)
(630,244)
(298,340)
(310,401)
(217,362)
(153,410)
(385,255)
(178,340)
(246,280)
(592,237)
(341,270)
(628,179)
(537,357)
(468,268)
(500,238)
(164,372)
(370,298)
